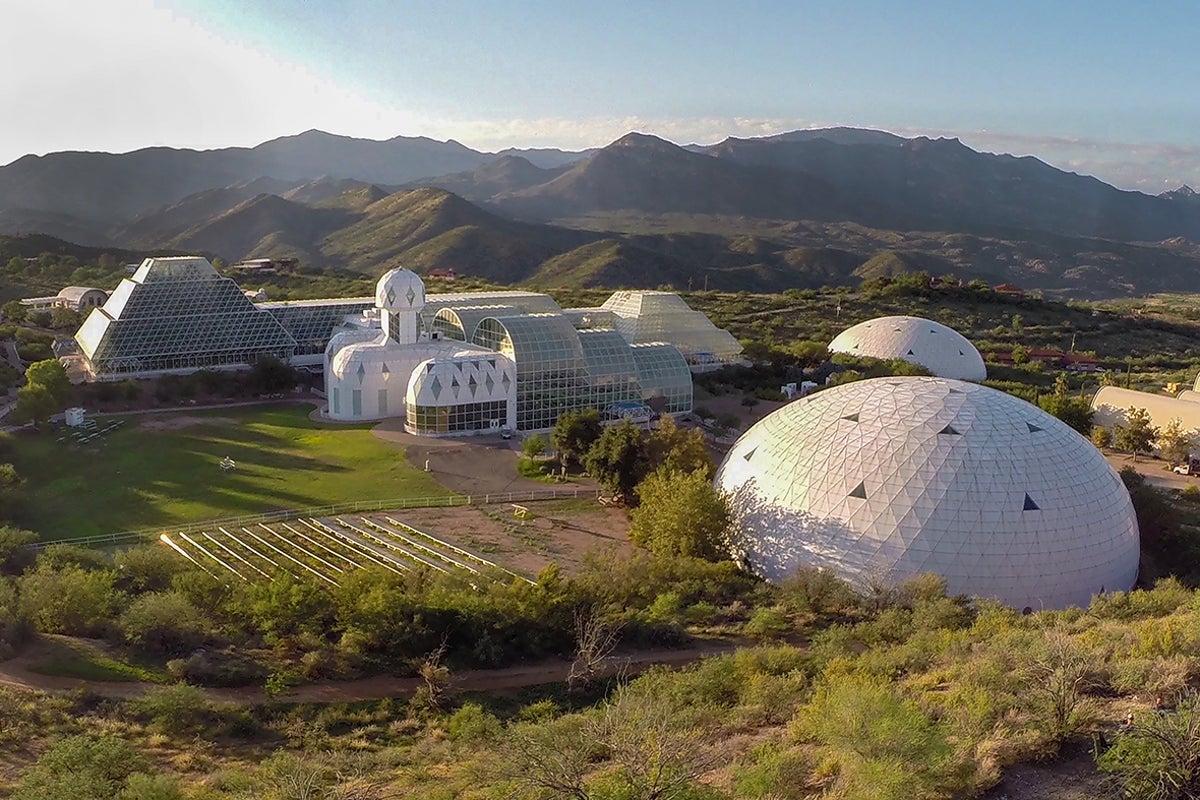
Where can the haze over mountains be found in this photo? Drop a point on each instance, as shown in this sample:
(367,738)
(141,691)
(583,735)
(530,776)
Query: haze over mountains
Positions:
(798,209)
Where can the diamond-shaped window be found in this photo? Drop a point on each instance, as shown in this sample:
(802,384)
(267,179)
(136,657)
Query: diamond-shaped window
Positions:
(435,386)
(362,372)
(410,295)
(384,369)
(507,381)
(473,385)
(489,383)
(391,296)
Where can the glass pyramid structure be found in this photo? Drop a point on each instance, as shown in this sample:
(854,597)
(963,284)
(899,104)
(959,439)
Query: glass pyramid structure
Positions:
(179,313)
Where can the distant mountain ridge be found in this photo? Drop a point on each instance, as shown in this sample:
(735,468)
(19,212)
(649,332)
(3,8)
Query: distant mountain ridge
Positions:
(795,209)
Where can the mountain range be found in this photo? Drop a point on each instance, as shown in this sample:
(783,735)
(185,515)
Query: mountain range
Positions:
(793,210)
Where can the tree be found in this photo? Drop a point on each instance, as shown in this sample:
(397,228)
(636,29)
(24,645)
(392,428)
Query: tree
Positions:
(679,449)
(534,446)
(618,459)
(52,376)
(595,639)
(1020,354)
(1061,386)
(270,375)
(72,601)
(575,433)
(1137,435)
(15,555)
(1174,443)
(13,310)
(64,318)
(34,404)
(11,486)
(681,514)
(165,623)
(1017,323)
(1074,411)
(1056,672)
(1101,436)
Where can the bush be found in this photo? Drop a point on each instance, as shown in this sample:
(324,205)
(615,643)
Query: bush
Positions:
(164,623)
(768,623)
(148,568)
(817,591)
(217,669)
(73,601)
(15,553)
(471,725)
(79,768)
(175,709)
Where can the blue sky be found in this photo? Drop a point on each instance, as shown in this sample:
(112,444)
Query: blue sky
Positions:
(1105,88)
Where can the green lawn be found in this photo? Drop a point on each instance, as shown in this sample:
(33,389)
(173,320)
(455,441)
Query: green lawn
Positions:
(156,471)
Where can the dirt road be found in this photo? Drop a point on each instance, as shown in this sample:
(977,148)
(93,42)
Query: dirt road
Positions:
(15,673)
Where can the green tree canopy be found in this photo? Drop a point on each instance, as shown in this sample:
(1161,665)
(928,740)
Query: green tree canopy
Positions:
(1137,435)
(679,449)
(1174,443)
(1075,411)
(682,514)
(575,433)
(35,404)
(13,310)
(534,445)
(51,375)
(618,459)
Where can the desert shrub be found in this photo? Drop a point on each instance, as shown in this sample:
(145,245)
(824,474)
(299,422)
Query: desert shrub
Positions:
(163,622)
(224,669)
(180,708)
(817,591)
(470,724)
(71,600)
(140,786)
(768,623)
(884,745)
(79,768)
(59,556)
(14,625)
(148,568)
(15,555)
(778,772)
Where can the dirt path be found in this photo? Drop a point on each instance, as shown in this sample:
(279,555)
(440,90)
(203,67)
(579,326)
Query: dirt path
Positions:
(15,673)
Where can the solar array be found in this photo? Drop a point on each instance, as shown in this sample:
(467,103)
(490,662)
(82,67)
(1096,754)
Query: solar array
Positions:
(326,549)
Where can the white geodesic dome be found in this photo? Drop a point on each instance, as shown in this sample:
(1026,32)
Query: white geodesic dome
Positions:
(884,479)
(943,351)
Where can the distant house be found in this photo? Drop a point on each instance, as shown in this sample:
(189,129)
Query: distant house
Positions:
(263,265)
(76,298)
(1010,289)
(444,274)
(1072,362)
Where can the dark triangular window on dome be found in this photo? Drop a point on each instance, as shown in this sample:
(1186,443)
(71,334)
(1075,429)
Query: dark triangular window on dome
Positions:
(1032,428)
(851,417)
(750,453)
(859,491)
(910,352)
(949,431)
(956,391)
(961,353)
(1029,504)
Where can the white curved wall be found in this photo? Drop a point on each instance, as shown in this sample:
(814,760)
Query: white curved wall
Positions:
(892,477)
(943,351)
(1110,404)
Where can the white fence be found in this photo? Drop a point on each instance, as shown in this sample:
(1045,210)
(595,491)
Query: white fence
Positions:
(444,501)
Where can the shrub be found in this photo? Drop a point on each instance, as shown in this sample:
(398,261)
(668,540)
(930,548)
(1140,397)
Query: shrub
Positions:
(71,600)
(470,724)
(164,622)
(768,623)
(176,709)
(817,591)
(217,669)
(79,768)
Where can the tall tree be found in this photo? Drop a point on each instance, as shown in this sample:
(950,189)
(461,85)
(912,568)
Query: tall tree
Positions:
(51,375)
(1137,435)
(679,449)
(1174,443)
(575,433)
(681,514)
(618,460)
(1075,411)
(34,404)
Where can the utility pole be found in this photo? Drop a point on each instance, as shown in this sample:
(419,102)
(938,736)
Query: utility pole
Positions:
(706,281)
